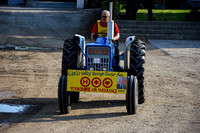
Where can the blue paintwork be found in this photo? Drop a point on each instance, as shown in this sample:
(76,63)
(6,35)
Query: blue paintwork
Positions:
(103,42)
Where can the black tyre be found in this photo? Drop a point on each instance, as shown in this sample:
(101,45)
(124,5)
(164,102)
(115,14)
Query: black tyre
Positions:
(64,101)
(132,95)
(137,60)
(70,55)
(69,60)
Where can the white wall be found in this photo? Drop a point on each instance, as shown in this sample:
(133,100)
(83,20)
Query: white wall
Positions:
(80,4)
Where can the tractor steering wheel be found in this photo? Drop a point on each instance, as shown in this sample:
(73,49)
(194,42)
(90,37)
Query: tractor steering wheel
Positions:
(98,35)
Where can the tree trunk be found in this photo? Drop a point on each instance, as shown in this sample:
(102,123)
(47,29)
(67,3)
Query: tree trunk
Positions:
(131,9)
(150,14)
(148,5)
(116,10)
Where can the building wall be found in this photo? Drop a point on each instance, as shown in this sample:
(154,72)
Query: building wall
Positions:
(15,2)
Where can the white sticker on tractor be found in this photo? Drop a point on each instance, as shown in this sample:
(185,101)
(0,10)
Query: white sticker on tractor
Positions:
(96,60)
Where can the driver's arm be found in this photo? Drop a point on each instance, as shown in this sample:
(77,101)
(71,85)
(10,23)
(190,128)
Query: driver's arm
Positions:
(92,37)
(116,37)
(116,30)
(93,33)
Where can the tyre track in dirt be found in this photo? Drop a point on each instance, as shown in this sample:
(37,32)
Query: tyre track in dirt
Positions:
(30,70)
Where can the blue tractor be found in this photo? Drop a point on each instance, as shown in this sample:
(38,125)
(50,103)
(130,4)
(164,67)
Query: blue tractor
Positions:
(102,59)
(102,55)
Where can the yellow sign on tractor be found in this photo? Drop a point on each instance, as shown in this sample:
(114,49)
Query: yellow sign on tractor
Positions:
(97,81)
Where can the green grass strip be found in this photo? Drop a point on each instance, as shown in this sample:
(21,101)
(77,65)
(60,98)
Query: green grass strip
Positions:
(162,14)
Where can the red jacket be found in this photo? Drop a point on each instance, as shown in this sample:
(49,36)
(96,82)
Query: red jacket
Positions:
(95,28)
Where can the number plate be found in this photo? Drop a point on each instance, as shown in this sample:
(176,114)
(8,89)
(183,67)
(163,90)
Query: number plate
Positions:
(96,60)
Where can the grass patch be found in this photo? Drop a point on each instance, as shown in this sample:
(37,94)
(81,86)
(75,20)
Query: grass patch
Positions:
(162,14)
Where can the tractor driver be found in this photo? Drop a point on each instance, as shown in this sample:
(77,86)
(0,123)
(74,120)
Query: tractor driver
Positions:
(100,27)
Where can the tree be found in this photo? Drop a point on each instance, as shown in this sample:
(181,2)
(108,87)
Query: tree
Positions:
(132,8)
(133,5)
(148,4)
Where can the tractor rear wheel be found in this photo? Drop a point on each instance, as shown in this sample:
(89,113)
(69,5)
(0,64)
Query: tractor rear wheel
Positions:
(69,61)
(137,60)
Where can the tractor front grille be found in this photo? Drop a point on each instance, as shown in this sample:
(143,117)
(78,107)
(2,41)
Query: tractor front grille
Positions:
(104,62)
(98,58)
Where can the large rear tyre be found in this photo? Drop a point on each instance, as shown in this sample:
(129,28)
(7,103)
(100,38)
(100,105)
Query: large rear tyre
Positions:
(70,55)
(132,95)
(137,60)
(70,60)
(64,101)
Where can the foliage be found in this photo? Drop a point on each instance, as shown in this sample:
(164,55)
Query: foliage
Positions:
(174,4)
(122,4)
(194,15)
(105,4)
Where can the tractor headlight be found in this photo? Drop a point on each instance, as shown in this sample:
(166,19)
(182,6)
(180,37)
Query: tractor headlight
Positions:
(91,68)
(104,68)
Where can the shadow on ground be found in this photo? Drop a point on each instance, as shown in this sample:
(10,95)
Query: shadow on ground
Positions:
(46,110)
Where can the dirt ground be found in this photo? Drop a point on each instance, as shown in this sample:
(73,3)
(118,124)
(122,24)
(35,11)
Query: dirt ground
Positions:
(172,96)
(31,77)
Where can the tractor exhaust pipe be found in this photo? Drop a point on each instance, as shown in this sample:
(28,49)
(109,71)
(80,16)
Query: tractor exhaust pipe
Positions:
(111,7)
(110,29)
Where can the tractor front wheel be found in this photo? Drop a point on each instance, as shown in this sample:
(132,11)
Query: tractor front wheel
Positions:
(64,101)
(132,95)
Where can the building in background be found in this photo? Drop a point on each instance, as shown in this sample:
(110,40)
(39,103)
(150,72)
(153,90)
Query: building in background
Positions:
(191,4)
(13,2)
